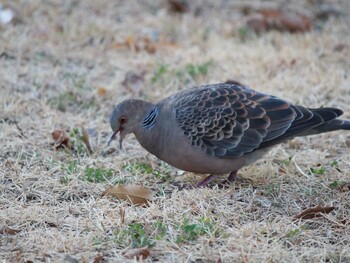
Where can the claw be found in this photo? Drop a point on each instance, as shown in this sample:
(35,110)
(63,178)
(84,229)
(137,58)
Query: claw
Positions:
(207,180)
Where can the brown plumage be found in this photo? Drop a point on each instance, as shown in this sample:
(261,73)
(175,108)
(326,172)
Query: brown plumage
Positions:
(217,129)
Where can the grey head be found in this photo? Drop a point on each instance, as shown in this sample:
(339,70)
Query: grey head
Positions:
(126,117)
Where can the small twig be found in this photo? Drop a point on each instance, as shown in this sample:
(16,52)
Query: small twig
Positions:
(314,212)
(20,130)
(299,169)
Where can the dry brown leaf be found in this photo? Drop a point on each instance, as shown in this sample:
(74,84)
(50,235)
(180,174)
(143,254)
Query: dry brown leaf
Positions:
(178,6)
(8,231)
(61,139)
(137,253)
(145,43)
(149,45)
(98,258)
(138,44)
(345,187)
(130,42)
(274,19)
(101,91)
(257,23)
(314,212)
(135,194)
(294,23)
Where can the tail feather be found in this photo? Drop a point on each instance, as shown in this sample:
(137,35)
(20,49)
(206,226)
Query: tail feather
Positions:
(329,126)
(309,122)
(327,114)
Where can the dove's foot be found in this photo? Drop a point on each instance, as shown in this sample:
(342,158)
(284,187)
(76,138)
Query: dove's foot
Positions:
(232,177)
(207,180)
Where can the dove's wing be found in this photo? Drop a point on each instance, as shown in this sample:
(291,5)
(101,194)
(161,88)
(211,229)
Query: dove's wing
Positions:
(228,120)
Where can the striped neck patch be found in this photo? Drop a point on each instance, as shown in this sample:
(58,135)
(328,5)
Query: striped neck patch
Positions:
(150,119)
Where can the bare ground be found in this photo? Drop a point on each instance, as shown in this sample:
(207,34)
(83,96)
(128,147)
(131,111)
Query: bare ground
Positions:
(62,67)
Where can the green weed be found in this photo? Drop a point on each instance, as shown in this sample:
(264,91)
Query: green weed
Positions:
(159,73)
(186,74)
(135,235)
(144,168)
(90,174)
(335,184)
(69,170)
(198,70)
(297,231)
(287,161)
(320,170)
(77,140)
(191,231)
(98,175)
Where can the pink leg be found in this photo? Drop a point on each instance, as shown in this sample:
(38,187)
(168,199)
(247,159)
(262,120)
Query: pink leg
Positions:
(232,177)
(207,180)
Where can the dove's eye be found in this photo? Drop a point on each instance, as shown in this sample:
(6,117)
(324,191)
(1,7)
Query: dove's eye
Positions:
(123,120)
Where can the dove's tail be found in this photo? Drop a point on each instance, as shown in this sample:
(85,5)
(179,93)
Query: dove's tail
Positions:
(309,122)
(330,123)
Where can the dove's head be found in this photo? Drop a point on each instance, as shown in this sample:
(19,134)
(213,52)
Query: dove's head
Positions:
(126,118)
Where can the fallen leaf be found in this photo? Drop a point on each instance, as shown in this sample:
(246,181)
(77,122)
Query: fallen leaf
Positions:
(138,44)
(149,45)
(101,91)
(257,23)
(274,19)
(8,231)
(345,187)
(137,253)
(98,258)
(61,139)
(294,23)
(178,6)
(135,194)
(145,43)
(314,212)
(130,42)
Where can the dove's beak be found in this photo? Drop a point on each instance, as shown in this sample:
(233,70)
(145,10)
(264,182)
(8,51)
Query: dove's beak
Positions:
(121,137)
(114,134)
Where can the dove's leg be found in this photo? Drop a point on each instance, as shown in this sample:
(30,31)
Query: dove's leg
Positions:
(207,180)
(232,177)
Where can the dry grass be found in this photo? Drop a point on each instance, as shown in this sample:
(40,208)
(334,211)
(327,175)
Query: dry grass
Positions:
(55,56)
